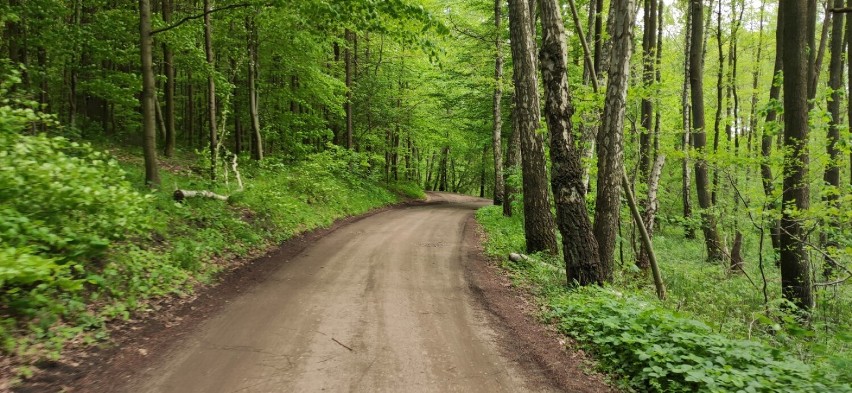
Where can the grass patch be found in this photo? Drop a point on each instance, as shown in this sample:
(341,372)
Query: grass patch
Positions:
(141,245)
(665,346)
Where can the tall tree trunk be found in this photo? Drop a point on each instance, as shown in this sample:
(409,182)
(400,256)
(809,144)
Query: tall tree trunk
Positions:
(496,137)
(849,75)
(538,222)
(795,270)
(651,204)
(254,115)
(699,138)
(755,79)
(211,87)
(815,58)
(770,129)
(169,70)
(513,160)
(189,116)
(149,128)
(580,249)
(649,47)
(832,170)
(235,104)
(732,129)
(610,137)
(717,121)
(347,106)
(686,180)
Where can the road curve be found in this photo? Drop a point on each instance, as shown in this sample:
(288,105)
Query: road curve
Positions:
(381,304)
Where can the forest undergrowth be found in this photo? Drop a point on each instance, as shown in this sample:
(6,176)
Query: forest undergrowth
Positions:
(713,333)
(81,246)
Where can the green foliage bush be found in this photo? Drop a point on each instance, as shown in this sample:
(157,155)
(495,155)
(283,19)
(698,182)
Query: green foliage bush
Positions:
(651,346)
(61,205)
(79,245)
(659,350)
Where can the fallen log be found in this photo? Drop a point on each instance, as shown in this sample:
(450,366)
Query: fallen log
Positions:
(180,195)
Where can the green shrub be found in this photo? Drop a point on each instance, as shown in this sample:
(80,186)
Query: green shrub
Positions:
(659,350)
(651,346)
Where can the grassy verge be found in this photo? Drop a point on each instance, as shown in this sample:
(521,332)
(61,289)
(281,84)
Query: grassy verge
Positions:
(659,346)
(83,246)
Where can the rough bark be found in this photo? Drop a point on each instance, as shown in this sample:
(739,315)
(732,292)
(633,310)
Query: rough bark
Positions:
(496,137)
(831,177)
(610,140)
(169,71)
(579,247)
(149,131)
(717,120)
(254,115)
(849,75)
(699,136)
(649,48)
(686,179)
(795,270)
(770,130)
(211,87)
(538,222)
(513,160)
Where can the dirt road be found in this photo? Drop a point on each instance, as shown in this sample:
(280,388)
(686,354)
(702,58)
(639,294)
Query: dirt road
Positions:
(378,305)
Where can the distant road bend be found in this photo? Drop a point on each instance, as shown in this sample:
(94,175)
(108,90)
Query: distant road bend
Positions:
(379,305)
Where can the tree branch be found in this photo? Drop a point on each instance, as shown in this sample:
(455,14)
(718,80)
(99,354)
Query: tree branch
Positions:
(201,15)
(840,10)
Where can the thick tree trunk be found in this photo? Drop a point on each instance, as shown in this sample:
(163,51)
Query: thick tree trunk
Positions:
(832,169)
(169,70)
(649,47)
(254,115)
(849,75)
(717,120)
(496,137)
(580,249)
(699,137)
(513,161)
(770,129)
(149,131)
(610,137)
(795,269)
(686,180)
(538,222)
(211,87)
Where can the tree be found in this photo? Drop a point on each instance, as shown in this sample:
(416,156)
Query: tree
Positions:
(795,269)
(169,70)
(649,46)
(538,222)
(211,87)
(831,177)
(610,141)
(579,247)
(498,95)
(712,240)
(149,132)
(254,114)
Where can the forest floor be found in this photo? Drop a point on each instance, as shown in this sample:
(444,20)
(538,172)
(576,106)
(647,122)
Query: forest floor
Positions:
(402,299)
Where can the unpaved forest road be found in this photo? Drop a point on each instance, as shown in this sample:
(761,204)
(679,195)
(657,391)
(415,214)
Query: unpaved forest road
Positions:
(390,287)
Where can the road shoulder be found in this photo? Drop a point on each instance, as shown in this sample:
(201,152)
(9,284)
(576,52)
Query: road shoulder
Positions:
(542,353)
